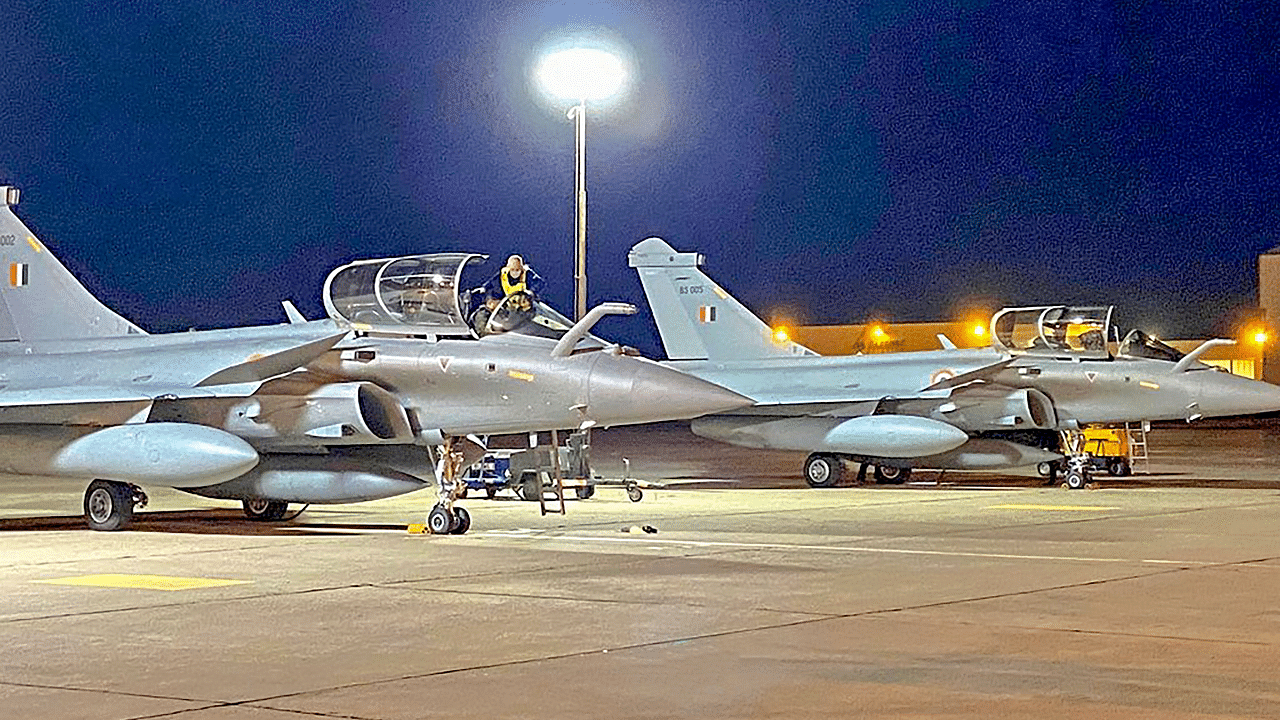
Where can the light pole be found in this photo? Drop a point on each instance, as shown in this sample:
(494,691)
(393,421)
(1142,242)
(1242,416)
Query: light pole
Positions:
(577,75)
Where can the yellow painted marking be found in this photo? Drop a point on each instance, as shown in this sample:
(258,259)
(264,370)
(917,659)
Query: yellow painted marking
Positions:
(723,295)
(143,582)
(518,375)
(255,357)
(361,326)
(1068,508)
(35,245)
(1149,385)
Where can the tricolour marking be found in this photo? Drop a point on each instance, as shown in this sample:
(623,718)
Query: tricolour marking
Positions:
(143,582)
(19,274)
(1064,508)
(706,313)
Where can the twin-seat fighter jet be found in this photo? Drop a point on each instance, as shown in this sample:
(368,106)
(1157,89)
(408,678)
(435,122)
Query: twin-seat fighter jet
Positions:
(1050,369)
(331,411)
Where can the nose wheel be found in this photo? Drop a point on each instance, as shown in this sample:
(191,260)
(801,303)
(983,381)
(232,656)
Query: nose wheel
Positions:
(446,518)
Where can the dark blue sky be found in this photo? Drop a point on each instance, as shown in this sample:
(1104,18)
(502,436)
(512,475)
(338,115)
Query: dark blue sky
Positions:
(196,162)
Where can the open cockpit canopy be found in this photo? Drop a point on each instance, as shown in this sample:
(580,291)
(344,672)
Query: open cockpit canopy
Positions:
(1054,330)
(441,294)
(1141,345)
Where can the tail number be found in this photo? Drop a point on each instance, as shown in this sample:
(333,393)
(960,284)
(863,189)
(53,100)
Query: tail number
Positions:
(692,289)
(8,240)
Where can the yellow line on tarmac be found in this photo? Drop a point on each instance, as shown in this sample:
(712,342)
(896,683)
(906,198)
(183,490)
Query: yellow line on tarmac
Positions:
(1067,508)
(142,582)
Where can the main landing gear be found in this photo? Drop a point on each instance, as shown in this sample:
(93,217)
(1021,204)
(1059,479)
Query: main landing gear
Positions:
(824,470)
(265,510)
(109,504)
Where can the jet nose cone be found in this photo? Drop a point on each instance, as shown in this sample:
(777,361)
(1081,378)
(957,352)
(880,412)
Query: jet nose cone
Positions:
(642,391)
(1226,394)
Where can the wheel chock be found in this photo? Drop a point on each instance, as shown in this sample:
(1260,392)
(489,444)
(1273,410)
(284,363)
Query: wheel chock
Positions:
(418,529)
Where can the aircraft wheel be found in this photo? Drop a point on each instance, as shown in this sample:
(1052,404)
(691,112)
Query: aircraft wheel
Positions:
(108,505)
(490,492)
(886,475)
(264,510)
(1119,468)
(461,521)
(1075,479)
(439,520)
(822,471)
(634,493)
(585,492)
(1045,469)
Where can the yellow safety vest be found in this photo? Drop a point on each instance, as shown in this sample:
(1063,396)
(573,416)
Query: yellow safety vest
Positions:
(509,287)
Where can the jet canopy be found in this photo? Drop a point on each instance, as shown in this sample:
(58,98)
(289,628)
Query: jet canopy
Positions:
(441,294)
(1054,331)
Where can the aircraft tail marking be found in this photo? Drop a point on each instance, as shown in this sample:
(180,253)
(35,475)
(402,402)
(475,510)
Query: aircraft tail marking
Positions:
(42,300)
(696,318)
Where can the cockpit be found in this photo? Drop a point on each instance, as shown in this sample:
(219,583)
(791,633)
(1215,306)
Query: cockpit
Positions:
(1141,345)
(441,295)
(1073,332)
(1055,331)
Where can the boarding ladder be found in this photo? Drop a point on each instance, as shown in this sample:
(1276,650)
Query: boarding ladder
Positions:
(1137,435)
(558,475)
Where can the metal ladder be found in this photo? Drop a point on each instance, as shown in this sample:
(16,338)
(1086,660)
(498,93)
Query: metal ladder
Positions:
(1137,435)
(558,474)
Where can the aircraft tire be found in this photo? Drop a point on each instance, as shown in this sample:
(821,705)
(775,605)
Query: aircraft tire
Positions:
(1075,480)
(634,494)
(585,492)
(439,521)
(461,521)
(823,471)
(1119,468)
(108,505)
(260,510)
(886,475)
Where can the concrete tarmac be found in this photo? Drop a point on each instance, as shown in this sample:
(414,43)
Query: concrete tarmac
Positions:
(960,596)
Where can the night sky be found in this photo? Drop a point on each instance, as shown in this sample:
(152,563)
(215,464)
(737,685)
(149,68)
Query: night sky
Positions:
(194,163)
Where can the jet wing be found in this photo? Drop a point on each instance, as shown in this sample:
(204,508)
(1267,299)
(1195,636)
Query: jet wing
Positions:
(117,404)
(80,405)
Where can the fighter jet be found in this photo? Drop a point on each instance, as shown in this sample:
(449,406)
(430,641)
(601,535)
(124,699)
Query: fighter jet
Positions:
(1050,369)
(331,411)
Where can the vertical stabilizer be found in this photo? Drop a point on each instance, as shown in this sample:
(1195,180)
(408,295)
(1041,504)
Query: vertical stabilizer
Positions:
(39,298)
(696,318)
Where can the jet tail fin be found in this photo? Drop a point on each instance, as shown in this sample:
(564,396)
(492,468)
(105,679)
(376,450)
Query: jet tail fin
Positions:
(696,318)
(39,298)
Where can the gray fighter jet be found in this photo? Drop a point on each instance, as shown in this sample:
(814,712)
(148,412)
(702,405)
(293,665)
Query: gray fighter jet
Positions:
(1050,369)
(331,411)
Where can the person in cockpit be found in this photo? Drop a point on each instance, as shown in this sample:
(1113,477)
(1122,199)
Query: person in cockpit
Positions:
(514,277)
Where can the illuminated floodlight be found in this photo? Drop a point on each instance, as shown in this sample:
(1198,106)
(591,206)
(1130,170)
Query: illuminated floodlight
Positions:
(1260,337)
(781,335)
(979,330)
(878,334)
(582,74)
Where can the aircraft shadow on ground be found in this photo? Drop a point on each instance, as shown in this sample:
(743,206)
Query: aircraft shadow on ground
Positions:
(200,522)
